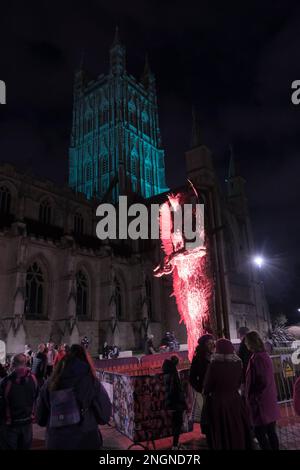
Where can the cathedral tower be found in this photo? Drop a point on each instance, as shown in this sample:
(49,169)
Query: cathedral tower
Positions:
(115,143)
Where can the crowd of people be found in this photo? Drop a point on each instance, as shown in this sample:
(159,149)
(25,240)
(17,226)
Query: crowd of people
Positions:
(169,343)
(110,352)
(236,393)
(57,387)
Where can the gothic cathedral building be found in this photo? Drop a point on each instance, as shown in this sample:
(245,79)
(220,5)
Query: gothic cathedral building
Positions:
(115,139)
(59,282)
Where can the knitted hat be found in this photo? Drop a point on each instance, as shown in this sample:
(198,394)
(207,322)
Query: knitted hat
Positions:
(224,346)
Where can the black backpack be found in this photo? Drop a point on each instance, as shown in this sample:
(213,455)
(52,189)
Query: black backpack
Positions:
(64,408)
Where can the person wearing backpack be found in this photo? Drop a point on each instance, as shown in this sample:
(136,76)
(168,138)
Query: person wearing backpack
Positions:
(17,396)
(72,403)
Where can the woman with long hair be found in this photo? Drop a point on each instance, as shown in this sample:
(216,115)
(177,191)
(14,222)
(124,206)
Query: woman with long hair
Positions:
(261,394)
(72,403)
(200,363)
(228,426)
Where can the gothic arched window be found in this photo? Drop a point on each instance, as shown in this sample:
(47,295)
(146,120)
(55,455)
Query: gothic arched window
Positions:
(118,294)
(88,172)
(82,294)
(5,200)
(35,287)
(78,224)
(104,114)
(148,288)
(88,123)
(132,114)
(145,122)
(148,175)
(134,165)
(45,213)
(104,165)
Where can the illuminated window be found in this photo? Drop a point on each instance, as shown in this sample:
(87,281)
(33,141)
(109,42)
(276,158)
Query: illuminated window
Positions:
(132,114)
(34,297)
(81,294)
(148,175)
(45,213)
(145,123)
(134,166)
(5,200)
(89,172)
(104,115)
(104,165)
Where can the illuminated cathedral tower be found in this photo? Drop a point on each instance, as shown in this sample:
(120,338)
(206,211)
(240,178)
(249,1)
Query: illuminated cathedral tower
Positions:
(115,141)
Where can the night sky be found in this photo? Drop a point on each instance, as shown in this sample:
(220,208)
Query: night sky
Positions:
(234,61)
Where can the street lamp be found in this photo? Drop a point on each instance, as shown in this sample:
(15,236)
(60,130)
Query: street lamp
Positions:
(298,310)
(258,261)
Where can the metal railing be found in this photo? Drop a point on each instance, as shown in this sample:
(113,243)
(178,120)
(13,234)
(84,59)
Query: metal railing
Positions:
(288,425)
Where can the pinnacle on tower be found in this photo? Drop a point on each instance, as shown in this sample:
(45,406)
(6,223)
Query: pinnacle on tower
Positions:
(117,55)
(116,38)
(148,78)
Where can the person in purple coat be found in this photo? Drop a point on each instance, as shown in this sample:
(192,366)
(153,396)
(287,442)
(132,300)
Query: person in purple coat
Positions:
(228,427)
(261,394)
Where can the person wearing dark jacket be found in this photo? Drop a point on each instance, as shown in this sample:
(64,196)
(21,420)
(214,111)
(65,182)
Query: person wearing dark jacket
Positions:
(227,420)
(73,424)
(18,391)
(244,353)
(175,400)
(261,393)
(39,364)
(200,363)
(3,371)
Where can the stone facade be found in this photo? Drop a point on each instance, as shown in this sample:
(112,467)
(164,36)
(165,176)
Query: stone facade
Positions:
(115,139)
(120,296)
(59,282)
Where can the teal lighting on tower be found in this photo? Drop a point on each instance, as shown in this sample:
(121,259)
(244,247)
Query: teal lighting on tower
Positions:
(115,139)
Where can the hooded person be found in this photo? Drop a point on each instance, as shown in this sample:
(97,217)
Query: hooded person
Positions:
(225,412)
(18,393)
(261,393)
(72,403)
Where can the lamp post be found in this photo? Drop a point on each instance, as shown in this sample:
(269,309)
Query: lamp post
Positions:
(259,262)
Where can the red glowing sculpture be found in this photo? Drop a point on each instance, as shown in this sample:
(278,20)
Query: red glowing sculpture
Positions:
(192,285)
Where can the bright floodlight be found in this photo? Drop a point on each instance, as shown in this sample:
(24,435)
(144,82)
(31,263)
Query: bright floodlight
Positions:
(298,309)
(259,261)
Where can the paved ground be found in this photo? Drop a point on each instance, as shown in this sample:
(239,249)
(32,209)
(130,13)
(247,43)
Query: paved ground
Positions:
(288,432)
(113,440)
